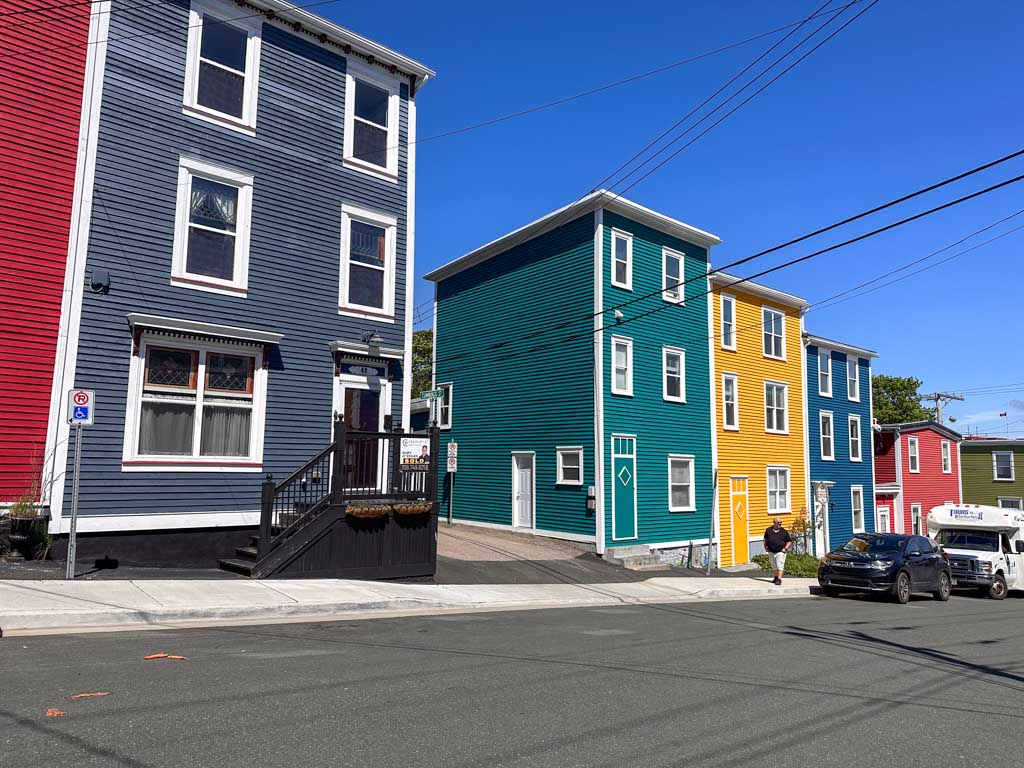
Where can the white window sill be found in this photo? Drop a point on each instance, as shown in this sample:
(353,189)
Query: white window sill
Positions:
(682,303)
(674,400)
(193,465)
(914,471)
(210,286)
(825,394)
(361,166)
(728,349)
(856,461)
(218,118)
(731,429)
(366,314)
(828,458)
(774,512)
(776,431)
(570,483)
(853,399)
(622,394)
(1000,479)
(682,509)
(773,357)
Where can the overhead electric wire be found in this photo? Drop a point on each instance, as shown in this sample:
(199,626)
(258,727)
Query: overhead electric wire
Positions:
(739,281)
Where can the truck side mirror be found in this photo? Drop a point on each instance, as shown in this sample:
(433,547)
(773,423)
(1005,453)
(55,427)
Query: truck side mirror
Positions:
(1019,547)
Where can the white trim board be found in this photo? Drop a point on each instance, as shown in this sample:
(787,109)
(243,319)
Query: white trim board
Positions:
(410,260)
(160,522)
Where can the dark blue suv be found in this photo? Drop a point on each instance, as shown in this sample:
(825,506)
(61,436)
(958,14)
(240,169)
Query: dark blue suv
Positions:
(894,563)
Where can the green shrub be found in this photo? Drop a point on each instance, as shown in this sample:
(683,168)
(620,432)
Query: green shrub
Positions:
(796,565)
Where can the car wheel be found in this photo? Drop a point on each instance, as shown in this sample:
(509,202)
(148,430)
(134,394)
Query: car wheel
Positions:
(901,589)
(945,587)
(998,589)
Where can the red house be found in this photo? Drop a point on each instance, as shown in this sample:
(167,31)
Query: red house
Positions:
(47,50)
(917,467)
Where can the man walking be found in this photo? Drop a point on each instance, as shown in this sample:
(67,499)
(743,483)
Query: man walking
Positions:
(777,542)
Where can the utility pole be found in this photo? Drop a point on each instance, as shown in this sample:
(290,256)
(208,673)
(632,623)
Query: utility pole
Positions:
(941,399)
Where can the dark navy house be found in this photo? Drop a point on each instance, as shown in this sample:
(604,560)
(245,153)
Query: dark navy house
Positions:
(241,270)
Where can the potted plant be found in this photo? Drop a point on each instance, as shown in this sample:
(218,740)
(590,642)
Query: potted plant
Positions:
(368,511)
(413,508)
(24,522)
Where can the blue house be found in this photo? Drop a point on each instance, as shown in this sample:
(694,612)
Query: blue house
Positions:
(576,378)
(243,268)
(840,440)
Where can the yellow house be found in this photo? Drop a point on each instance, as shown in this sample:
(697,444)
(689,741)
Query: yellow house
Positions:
(758,363)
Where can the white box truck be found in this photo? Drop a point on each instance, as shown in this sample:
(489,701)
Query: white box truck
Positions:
(985,546)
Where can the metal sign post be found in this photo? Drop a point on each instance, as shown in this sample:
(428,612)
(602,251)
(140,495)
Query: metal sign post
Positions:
(453,467)
(81,407)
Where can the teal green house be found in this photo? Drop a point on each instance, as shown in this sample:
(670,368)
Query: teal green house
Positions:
(576,374)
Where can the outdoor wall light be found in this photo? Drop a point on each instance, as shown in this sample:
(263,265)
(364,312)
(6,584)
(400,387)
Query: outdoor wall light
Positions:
(373,341)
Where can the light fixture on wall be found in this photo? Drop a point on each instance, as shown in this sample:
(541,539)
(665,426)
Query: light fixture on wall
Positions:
(373,341)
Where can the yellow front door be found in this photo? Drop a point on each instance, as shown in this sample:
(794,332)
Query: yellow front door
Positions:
(740,526)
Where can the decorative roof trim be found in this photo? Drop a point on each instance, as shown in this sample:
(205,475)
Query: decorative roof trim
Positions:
(729,282)
(360,348)
(137,320)
(838,346)
(601,199)
(914,426)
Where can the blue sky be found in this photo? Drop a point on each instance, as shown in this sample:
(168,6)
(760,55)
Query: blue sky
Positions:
(910,93)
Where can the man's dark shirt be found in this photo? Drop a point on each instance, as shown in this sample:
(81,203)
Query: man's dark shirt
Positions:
(776,541)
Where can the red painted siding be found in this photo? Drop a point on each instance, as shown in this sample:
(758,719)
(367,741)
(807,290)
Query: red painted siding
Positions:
(930,487)
(40,114)
(885,458)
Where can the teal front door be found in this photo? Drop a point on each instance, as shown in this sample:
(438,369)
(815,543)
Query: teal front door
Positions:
(623,488)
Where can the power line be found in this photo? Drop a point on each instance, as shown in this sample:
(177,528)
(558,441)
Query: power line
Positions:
(603,311)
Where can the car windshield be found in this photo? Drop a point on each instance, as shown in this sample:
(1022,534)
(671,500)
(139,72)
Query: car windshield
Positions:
(980,541)
(871,544)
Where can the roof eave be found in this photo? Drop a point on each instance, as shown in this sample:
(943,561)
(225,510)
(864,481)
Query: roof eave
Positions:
(726,281)
(838,346)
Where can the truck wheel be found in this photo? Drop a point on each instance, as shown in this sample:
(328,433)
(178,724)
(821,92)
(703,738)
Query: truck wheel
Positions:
(945,587)
(998,589)
(901,589)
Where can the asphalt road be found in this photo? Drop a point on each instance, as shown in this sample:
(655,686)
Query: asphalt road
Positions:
(808,682)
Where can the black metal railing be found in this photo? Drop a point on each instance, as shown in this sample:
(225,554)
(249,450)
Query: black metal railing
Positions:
(356,466)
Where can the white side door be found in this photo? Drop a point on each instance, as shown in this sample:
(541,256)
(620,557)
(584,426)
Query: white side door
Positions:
(884,526)
(522,490)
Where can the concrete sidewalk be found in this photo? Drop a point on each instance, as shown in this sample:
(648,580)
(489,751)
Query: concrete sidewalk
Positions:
(47,606)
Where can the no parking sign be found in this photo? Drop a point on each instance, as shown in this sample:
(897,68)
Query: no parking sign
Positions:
(81,405)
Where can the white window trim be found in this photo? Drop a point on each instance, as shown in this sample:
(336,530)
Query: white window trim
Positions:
(628,284)
(385,314)
(919,509)
(443,423)
(728,298)
(1017,499)
(946,449)
(355,70)
(785,408)
(765,308)
(239,284)
(854,418)
(253,27)
(913,456)
(560,452)
(692,506)
(736,405)
(1013,468)
(679,289)
(789,489)
(665,352)
(822,415)
(853,384)
(132,461)
(628,391)
(854,489)
(824,354)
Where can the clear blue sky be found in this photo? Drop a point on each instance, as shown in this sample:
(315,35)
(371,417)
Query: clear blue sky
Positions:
(912,92)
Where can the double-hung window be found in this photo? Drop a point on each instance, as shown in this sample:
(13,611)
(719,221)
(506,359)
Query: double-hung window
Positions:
(852,379)
(728,310)
(371,121)
(857,507)
(569,466)
(444,406)
(825,373)
(855,443)
(774,323)
(672,268)
(622,365)
(947,458)
(730,402)
(223,64)
(1002,466)
(778,490)
(776,396)
(212,223)
(828,452)
(915,519)
(673,374)
(680,484)
(367,287)
(622,260)
(195,404)
(913,455)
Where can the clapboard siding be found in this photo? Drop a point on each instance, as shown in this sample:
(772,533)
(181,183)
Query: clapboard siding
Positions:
(980,487)
(843,472)
(931,486)
(511,399)
(661,427)
(294,253)
(40,120)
